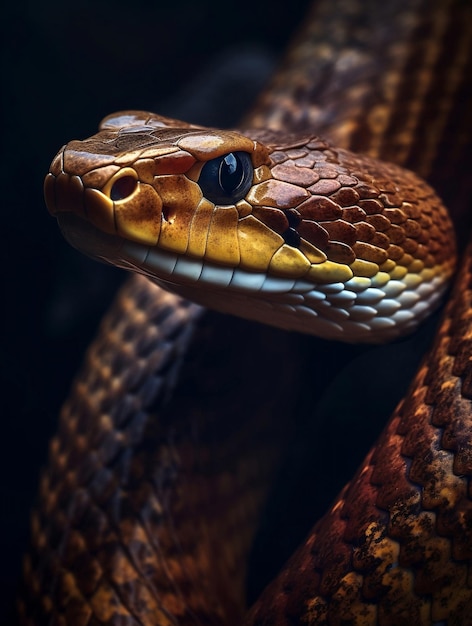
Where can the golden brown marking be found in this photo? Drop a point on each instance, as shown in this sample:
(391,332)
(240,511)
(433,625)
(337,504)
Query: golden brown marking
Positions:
(136,539)
(414,566)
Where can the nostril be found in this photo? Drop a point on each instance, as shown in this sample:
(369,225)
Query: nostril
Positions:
(168,213)
(123,187)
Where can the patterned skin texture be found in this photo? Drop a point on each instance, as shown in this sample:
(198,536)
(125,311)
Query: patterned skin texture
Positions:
(396,547)
(148,505)
(365,248)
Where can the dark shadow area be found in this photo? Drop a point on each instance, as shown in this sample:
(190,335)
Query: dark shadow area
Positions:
(65,66)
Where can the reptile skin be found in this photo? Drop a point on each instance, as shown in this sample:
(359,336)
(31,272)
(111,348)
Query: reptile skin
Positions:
(160,469)
(324,241)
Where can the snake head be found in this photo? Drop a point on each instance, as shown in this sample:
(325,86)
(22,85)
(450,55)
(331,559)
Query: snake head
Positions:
(137,178)
(282,229)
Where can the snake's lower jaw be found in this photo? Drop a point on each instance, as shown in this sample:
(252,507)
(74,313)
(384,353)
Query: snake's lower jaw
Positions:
(87,239)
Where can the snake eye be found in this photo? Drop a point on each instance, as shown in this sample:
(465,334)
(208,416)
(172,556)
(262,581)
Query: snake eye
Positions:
(226,179)
(122,188)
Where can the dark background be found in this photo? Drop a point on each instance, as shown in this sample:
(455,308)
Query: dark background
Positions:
(65,66)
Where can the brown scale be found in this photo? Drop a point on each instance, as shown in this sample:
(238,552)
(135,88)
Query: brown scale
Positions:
(396,547)
(138,525)
(367,221)
(297,176)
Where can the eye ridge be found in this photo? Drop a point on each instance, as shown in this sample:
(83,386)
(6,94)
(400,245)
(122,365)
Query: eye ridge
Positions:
(227,178)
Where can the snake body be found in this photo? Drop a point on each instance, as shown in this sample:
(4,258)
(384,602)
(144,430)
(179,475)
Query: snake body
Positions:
(161,465)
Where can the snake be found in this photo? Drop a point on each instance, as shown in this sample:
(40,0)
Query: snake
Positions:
(245,246)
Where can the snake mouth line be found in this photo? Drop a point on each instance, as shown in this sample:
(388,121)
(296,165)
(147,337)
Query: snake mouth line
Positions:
(160,265)
(362,307)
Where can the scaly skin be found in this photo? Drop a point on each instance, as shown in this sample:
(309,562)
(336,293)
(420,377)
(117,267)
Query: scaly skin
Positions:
(396,546)
(358,250)
(148,506)
(113,546)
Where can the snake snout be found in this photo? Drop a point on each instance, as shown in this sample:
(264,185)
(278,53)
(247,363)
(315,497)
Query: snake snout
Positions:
(112,198)
(64,193)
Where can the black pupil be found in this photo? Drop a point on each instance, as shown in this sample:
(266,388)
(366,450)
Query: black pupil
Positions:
(228,178)
(123,187)
(231,173)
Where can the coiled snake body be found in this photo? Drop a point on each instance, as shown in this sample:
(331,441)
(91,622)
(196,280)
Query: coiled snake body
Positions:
(161,465)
